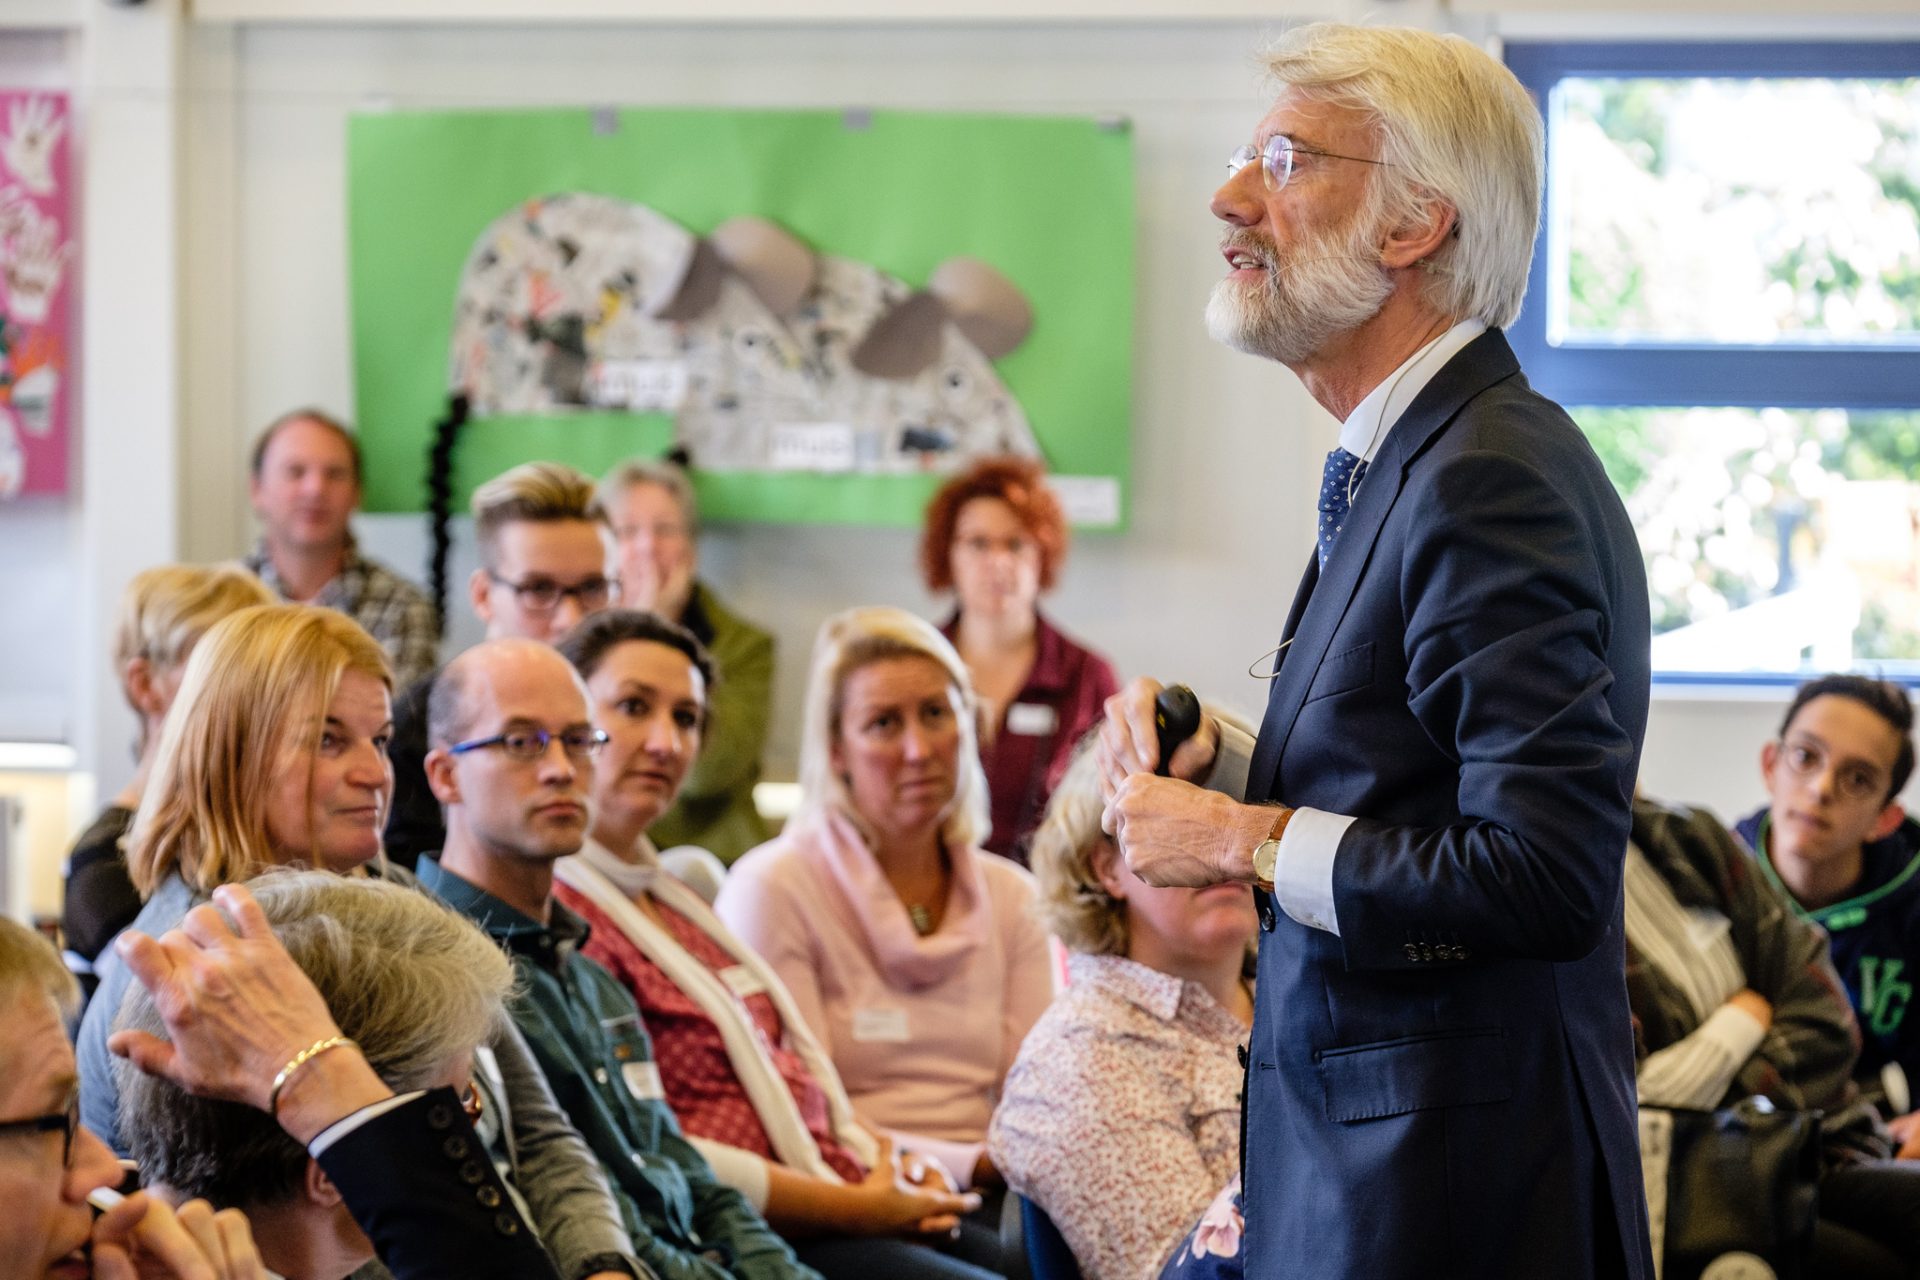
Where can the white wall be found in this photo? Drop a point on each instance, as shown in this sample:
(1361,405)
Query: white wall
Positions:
(1226,450)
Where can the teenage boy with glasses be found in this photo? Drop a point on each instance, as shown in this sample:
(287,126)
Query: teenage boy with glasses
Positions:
(1835,837)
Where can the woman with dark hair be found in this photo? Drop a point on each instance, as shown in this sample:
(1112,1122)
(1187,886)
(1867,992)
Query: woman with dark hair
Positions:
(995,536)
(752,1087)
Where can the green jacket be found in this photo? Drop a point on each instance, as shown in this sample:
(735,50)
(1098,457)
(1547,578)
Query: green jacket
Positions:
(586,1034)
(715,809)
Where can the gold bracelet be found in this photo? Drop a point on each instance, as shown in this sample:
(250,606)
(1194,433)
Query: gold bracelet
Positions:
(300,1060)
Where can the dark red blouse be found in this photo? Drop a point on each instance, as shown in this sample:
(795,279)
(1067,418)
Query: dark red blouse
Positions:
(1034,741)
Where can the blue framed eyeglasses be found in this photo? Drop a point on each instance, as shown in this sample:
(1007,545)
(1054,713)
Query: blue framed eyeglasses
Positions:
(531,743)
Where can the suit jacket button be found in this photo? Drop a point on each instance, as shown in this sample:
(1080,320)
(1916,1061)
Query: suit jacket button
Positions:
(506,1224)
(1412,952)
(1461,953)
(455,1147)
(1240,1052)
(488,1197)
(472,1174)
(440,1116)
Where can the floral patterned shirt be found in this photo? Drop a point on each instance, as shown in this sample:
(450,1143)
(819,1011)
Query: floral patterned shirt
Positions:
(1121,1117)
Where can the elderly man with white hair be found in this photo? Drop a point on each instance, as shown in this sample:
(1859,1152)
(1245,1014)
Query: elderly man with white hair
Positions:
(1435,813)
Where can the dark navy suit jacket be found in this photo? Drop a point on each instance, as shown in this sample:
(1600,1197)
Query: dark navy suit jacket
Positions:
(1446,1088)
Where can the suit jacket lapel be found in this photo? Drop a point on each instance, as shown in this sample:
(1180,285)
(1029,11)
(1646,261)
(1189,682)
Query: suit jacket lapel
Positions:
(1320,605)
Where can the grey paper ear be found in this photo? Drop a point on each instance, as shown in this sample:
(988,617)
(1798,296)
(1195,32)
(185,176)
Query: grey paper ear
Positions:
(984,304)
(771,260)
(699,287)
(904,340)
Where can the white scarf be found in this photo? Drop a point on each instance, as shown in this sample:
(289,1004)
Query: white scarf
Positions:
(603,879)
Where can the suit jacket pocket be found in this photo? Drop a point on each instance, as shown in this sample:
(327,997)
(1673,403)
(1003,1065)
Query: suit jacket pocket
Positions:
(1415,1073)
(1339,672)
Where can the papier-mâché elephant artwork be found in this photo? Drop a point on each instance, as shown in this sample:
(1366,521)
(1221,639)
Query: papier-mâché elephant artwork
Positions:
(767,355)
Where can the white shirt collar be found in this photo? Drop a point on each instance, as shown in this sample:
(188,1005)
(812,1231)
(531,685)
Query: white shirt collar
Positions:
(1365,429)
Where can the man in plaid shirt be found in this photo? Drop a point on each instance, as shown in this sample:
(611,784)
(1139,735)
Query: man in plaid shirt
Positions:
(304,487)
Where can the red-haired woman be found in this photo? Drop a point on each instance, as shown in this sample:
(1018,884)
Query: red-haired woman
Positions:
(995,536)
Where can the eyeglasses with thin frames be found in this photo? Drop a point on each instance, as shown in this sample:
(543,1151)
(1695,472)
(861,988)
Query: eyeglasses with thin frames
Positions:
(540,595)
(1853,781)
(64,1123)
(531,742)
(1276,159)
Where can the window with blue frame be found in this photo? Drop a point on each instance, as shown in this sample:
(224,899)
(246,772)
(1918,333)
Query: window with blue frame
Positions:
(1726,296)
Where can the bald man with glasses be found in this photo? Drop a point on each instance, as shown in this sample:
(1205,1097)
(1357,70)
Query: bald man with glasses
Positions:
(547,560)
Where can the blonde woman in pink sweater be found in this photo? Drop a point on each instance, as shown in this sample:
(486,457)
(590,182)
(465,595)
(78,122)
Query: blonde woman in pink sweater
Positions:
(913,954)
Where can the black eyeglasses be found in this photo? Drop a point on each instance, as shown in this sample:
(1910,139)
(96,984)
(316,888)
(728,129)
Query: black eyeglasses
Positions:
(531,743)
(543,595)
(63,1123)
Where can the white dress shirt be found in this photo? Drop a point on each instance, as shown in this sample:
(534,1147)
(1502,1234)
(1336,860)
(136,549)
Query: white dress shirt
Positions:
(1303,870)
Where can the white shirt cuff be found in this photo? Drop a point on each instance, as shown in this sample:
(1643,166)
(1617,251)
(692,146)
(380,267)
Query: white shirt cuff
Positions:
(1303,871)
(1231,761)
(347,1124)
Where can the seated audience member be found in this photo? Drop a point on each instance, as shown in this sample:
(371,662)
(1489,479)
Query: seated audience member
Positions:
(995,536)
(512,761)
(752,1088)
(163,613)
(415,987)
(655,521)
(1121,1116)
(244,1023)
(49,1164)
(304,487)
(273,757)
(1735,995)
(545,556)
(1835,838)
(911,953)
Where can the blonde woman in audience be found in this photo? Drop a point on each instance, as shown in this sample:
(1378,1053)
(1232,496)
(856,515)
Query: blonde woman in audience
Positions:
(913,954)
(752,1087)
(163,613)
(1121,1117)
(275,755)
(49,1164)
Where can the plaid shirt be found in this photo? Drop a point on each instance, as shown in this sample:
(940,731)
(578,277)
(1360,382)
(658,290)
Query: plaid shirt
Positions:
(393,610)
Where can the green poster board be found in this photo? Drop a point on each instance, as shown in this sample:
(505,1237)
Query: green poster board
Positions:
(1046,201)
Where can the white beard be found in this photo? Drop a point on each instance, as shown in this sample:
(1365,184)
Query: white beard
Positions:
(1331,285)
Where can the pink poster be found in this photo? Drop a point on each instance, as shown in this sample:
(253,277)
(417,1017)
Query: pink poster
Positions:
(36,288)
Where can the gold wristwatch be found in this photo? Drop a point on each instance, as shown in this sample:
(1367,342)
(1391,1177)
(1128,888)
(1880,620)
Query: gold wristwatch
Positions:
(1267,853)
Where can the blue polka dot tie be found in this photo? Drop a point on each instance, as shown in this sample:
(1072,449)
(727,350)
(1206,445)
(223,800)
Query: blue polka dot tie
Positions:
(1342,476)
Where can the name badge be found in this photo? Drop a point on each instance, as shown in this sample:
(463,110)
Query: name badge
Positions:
(881,1026)
(1032,719)
(742,981)
(643,1080)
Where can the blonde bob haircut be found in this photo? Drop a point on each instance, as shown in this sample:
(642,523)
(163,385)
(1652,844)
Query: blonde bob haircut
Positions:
(166,609)
(257,684)
(855,639)
(1454,126)
(1075,907)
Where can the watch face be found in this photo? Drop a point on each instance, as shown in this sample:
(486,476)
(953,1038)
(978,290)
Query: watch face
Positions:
(1265,855)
